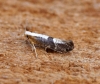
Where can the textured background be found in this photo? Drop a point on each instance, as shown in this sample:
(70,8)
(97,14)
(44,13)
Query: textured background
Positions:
(78,20)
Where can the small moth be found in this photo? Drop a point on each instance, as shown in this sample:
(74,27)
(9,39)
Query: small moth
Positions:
(48,43)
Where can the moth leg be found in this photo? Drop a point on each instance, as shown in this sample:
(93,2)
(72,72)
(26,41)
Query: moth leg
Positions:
(34,50)
(48,49)
(33,46)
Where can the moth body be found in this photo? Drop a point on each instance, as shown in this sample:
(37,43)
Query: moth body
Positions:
(49,43)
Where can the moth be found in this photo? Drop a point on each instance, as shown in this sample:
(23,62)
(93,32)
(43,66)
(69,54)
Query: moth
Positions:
(48,43)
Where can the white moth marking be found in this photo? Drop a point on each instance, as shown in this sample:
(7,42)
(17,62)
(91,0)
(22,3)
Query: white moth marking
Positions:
(36,34)
(55,40)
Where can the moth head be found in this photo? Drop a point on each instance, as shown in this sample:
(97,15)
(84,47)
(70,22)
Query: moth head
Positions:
(69,45)
(28,34)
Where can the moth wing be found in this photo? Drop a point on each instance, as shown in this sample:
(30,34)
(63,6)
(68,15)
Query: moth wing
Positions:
(59,45)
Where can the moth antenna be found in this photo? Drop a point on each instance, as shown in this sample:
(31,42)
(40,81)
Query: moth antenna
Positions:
(26,26)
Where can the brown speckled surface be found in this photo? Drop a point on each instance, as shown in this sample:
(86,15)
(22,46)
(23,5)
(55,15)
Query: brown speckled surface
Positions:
(78,20)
